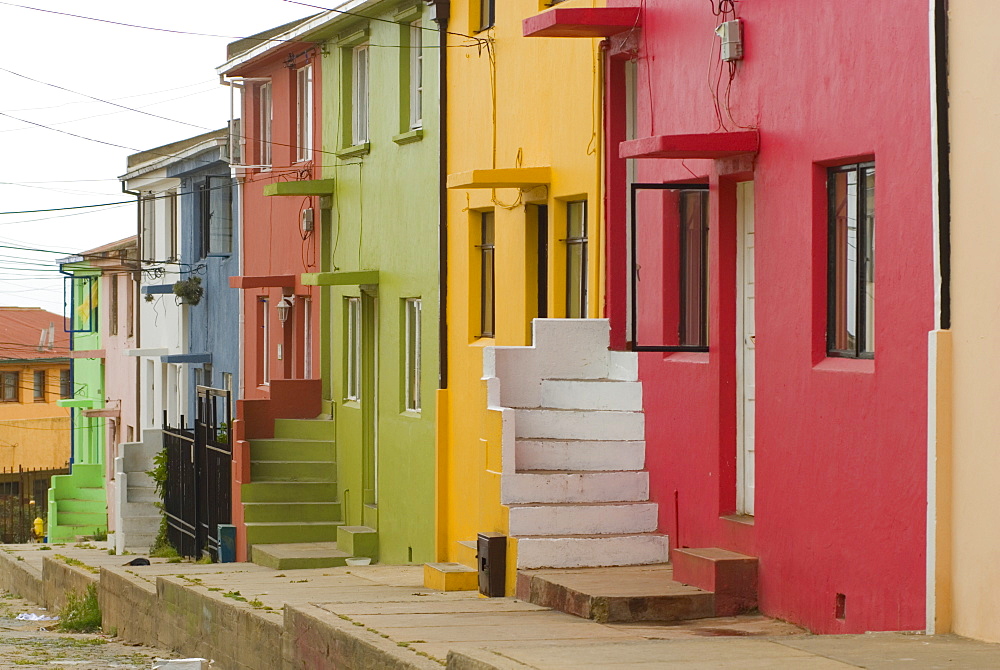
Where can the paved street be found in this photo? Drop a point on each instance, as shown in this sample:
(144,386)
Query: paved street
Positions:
(27,644)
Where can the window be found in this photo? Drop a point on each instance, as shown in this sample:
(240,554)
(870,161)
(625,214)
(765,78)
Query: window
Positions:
(487,14)
(264,343)
(304,102)
(669,267)
(39,385)
(170,225)
(113,307)
(576,259)
(416,75)
(851,290)
(65,384)
(215,220)
(352,368)
(487,291)
(359,94)
(413,308)
(9,386)
(264,117)
(694,268)
(147,215)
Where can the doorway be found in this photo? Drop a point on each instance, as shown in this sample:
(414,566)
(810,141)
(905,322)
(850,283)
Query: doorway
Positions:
(369,406)
(746,343)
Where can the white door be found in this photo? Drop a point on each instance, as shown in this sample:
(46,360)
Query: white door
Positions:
(745,349)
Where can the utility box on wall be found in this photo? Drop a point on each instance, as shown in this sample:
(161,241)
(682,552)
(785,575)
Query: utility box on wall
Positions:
(491,556)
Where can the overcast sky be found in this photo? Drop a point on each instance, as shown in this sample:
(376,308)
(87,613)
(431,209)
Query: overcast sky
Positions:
(168,74)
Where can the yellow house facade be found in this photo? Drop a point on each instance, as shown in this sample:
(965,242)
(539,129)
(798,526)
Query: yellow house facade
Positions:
(34,375)
(524,233)
(963,545)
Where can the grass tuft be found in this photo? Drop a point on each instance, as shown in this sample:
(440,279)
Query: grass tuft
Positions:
(82,613)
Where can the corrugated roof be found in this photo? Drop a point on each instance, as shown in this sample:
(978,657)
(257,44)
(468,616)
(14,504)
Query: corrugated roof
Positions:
(21,331)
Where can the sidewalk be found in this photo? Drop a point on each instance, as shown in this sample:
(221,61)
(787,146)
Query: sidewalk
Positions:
(250,617)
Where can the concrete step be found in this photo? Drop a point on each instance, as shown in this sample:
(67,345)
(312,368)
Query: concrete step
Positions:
(592,394)
(141,525)
(287,449)
(141,494)
(91,520)
(93,493)
(732,577)
(553,454)
(300,511)
(298,556)
(305,429)
(289,492)
(74,506)
(358,541)
(619,594)
(130,509)
(583,519)
(579,551)
(138,457)
(574,487)
(291,532)
(139,543)
(623,366)
(568,424)
(293,471)
(140,479)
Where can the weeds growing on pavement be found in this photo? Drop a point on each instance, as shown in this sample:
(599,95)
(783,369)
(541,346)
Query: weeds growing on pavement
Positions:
(82,613)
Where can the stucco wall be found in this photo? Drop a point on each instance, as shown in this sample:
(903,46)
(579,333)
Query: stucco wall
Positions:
(840,444)
(974,63)
(544,100)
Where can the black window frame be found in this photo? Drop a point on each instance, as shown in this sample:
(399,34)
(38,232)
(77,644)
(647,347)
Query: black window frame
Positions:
(864,263)
(487,258)
(634,189)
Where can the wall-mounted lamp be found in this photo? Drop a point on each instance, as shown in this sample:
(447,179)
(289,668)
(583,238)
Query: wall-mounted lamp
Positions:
(284,307)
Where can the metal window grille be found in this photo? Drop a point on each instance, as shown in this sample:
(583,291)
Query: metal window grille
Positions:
(576,259)
(487,289)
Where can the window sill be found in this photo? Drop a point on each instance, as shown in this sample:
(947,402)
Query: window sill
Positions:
(408,137)
(353,404)
(356,150)
(856,365)
(411,413)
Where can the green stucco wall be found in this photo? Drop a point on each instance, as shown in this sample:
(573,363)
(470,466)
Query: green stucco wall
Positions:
(384,216)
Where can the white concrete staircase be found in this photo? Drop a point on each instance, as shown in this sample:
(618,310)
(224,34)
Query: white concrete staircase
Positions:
(137,514)
(573,449)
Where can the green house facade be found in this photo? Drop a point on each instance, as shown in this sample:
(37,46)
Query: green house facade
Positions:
(78,501)
(379,342)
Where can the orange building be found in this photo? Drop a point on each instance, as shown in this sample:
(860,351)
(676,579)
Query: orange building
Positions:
(34,375)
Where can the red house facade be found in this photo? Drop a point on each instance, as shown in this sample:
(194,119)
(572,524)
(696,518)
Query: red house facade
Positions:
(779,284)
(280,240)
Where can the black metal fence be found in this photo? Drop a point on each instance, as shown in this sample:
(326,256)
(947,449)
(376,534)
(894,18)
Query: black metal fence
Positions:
(198,494)
(24,496)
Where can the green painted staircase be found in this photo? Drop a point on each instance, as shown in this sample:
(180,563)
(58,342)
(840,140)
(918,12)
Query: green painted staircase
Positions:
(78,504)
(292,494)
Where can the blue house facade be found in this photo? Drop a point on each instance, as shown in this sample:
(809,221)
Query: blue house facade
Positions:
(209,255)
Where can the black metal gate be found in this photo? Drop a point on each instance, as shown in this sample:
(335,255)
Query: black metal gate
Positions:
(198,495)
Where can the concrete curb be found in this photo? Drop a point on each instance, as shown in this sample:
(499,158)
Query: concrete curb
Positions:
(316,639)
(21,578)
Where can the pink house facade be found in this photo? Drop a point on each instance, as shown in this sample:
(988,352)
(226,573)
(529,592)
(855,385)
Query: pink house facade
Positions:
(769,245)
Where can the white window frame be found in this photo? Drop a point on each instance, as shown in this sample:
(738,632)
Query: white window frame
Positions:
(352,371)
(416,75)
(304,118)
(148,222)
(413,317)
(265,118)
(360,69)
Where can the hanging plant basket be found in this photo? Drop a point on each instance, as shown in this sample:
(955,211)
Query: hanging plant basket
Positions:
(189,291)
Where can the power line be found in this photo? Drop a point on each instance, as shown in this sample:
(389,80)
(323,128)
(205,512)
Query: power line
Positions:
(106,102)
(133,25)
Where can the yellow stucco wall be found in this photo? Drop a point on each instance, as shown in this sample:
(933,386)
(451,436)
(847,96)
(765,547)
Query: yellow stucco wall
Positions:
(34,434)
(974,64)
(545,96)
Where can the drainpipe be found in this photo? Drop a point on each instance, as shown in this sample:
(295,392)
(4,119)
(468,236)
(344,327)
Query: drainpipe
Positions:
(942,150)
(442,12)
